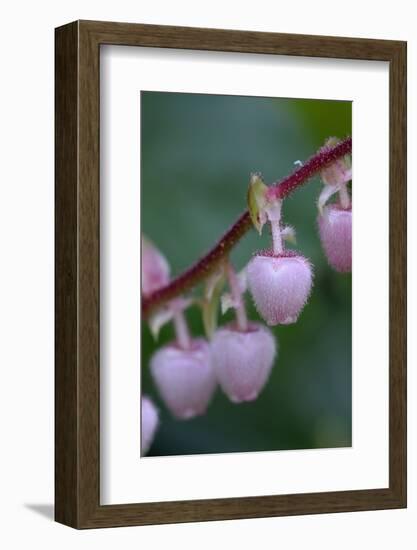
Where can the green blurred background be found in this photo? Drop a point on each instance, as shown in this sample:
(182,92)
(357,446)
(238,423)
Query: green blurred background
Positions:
(198,152)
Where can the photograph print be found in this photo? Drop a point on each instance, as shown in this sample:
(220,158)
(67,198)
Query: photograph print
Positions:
(246,260)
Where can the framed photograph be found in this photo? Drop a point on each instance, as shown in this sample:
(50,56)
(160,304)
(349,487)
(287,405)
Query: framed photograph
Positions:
(230,274)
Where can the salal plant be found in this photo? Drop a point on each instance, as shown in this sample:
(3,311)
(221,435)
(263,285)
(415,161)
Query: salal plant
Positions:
(239,356)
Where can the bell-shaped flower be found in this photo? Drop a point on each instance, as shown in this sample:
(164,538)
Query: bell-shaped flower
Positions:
(149,423)
(184,377)
(243,360)
(155,268)
(335,227)
(280,285)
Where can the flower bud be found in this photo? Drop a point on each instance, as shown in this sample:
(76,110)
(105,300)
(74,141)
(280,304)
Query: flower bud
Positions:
(280,286)
(243,360)
(155,268)
(184,377)
(335,227)
(149,422)
(338,172)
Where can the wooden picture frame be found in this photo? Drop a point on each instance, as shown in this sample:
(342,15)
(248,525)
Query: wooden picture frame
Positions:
(77,374)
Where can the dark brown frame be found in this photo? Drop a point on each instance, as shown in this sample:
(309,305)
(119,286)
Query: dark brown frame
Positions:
(77,274)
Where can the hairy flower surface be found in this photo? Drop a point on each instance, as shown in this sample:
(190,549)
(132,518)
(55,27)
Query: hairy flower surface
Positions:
(243,360)
(335,227)
(155,268)
(280,286)
(149,422)
(184,377)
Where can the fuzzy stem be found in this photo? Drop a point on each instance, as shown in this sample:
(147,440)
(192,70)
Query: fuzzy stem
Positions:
(277,245)
(315,164)
(241,318)
(344,197)
(208,263)
(181,330)
(274,215)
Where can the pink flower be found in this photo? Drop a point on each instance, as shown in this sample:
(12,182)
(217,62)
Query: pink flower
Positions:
(243,360)
(335,227)
(280,286)
(155,268)
(184,377)
(149,421)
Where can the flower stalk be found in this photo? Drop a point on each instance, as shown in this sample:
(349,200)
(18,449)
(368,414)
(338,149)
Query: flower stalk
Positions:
(344,197)
(241,317)
(208,263)
(181,330)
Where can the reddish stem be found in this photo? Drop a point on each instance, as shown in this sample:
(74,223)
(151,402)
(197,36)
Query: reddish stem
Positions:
(208,263)
(325,156)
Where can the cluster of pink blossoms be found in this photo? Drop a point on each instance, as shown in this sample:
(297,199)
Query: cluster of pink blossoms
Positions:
(239,356)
